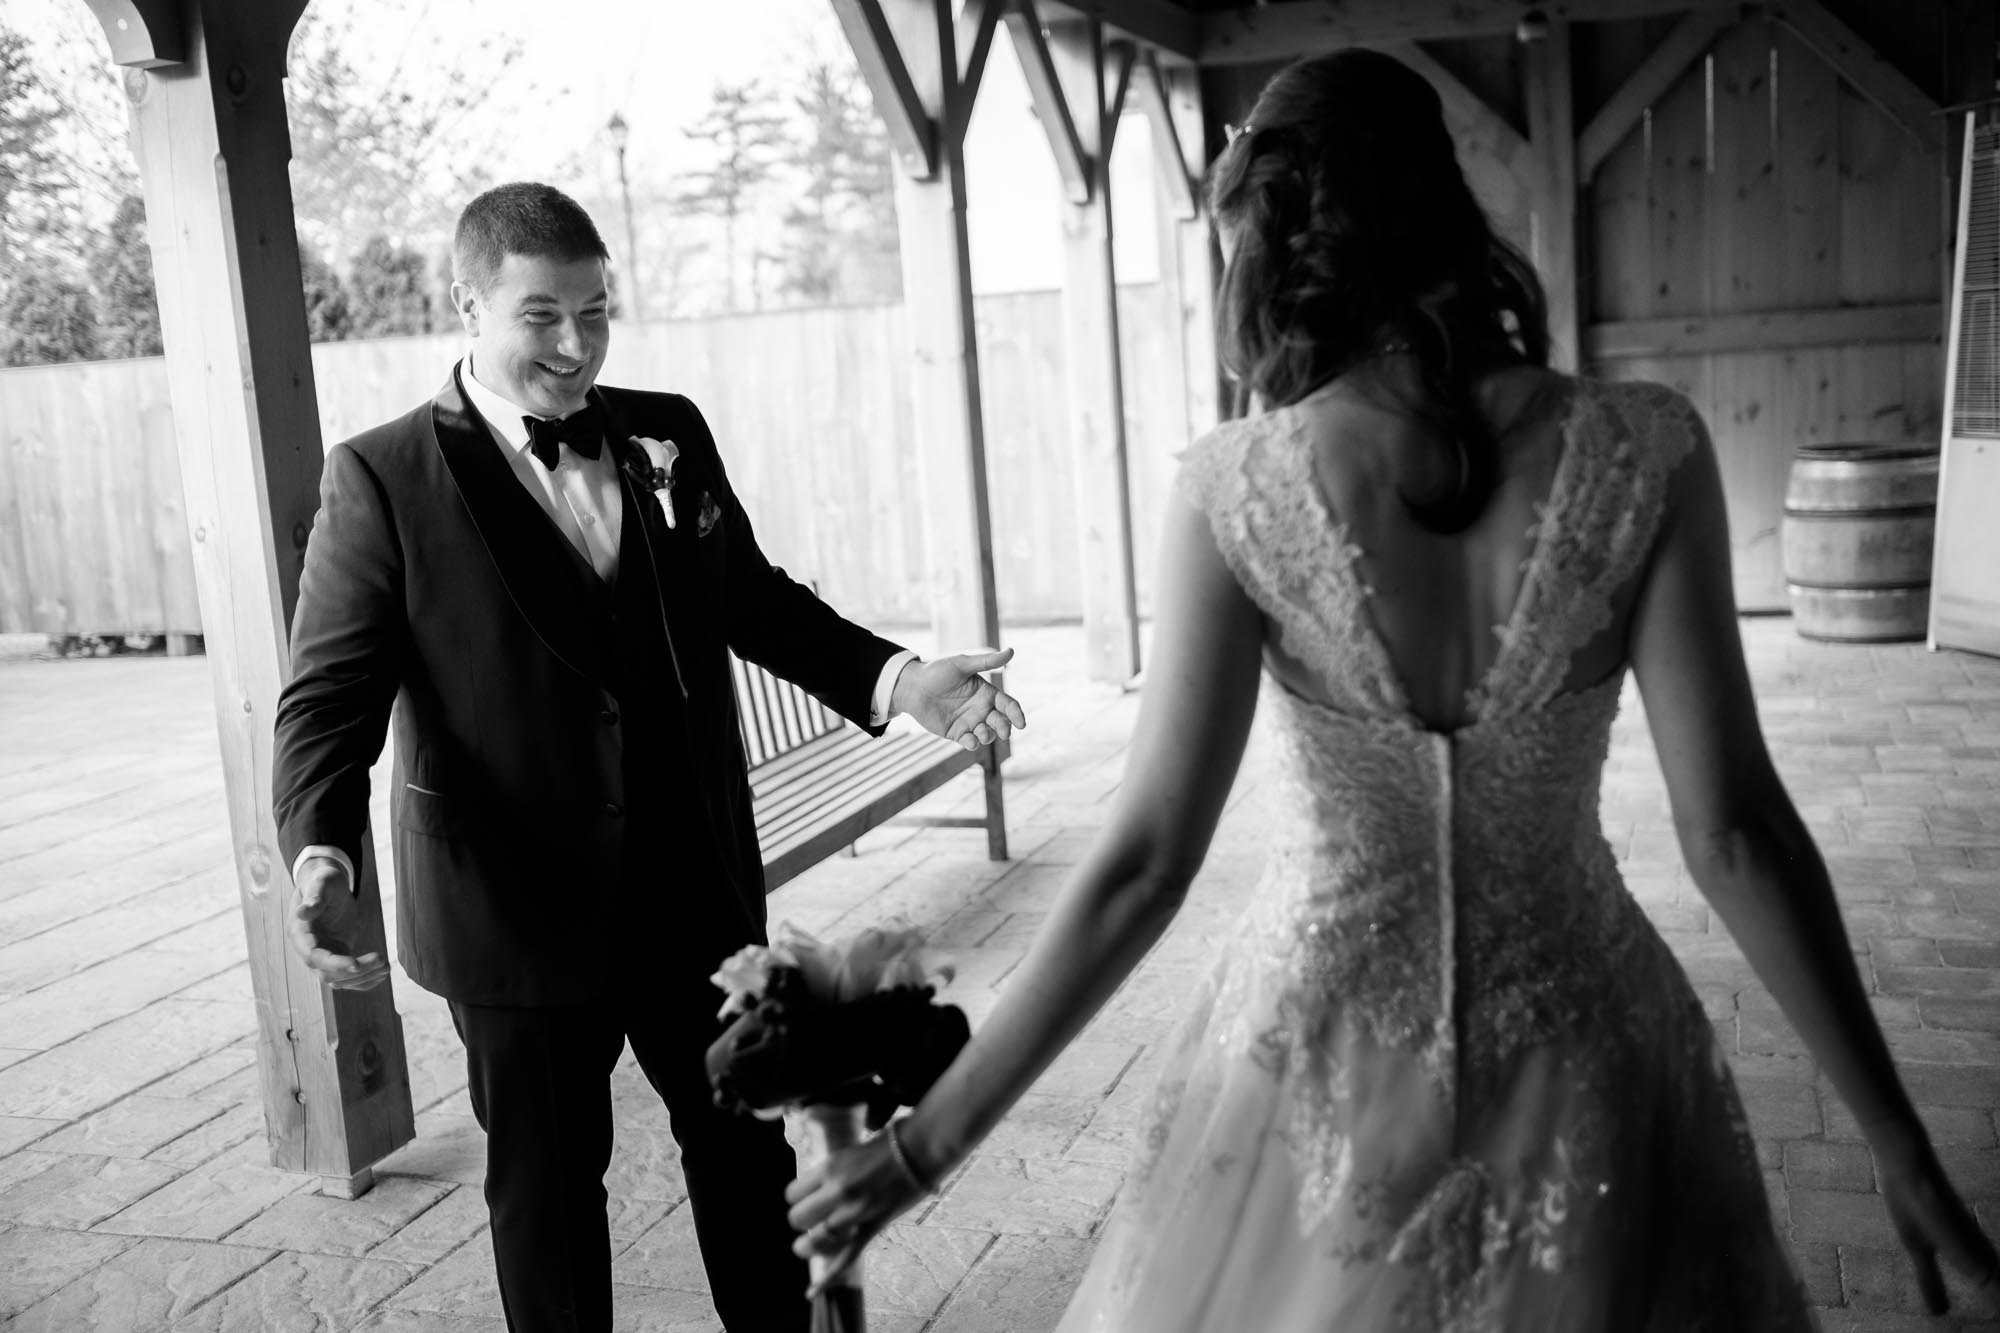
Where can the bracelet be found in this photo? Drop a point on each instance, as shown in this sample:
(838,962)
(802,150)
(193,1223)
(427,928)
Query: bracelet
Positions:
(903,1160)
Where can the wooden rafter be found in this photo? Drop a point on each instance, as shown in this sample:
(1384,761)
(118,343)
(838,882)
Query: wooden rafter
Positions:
(1552,142)
(1160,24)
(912,131)
(976,27)
(1121,57)
(1768,330)
(1661,70)
(1293,28)
(1169,159)
(1038,66)
(1875,78)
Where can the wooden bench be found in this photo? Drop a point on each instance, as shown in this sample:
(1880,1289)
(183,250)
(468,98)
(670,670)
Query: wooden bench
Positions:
(818,783)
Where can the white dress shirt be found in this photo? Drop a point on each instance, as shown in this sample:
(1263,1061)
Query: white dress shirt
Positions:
(582,498)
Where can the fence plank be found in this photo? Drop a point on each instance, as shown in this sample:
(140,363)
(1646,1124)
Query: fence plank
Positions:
(811,408)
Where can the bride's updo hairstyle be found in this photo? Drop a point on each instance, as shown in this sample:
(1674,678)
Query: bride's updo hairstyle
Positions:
(1355,234)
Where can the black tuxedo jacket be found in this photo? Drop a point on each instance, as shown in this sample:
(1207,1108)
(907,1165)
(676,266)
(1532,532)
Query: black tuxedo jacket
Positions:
(437,589)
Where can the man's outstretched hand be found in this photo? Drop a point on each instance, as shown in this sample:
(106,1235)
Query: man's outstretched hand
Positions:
(324,924)
(951,699)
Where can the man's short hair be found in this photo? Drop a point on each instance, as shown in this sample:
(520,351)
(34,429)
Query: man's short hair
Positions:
(520,218)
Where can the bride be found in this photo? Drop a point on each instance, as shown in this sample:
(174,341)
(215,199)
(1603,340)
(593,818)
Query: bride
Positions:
(1446,1075)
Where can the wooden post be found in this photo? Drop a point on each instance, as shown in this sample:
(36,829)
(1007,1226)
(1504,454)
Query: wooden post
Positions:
(1171,103)
(908,51)
(1080,108)
(213,148)
(1552,141)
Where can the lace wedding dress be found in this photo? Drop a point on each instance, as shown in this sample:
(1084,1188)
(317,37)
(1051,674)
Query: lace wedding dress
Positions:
(1446,1076)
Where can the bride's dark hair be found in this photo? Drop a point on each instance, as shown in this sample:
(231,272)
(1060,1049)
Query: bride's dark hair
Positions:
(1354,234)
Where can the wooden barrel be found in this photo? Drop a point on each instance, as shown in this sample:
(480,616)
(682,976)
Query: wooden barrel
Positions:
(1859,519)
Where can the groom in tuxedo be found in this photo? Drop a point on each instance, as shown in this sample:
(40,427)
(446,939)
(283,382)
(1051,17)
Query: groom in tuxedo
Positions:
(574,848)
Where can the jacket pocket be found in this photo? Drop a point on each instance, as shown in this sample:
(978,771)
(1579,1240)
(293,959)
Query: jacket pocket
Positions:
(421,810)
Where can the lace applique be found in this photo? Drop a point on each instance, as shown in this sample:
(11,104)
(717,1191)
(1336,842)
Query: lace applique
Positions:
(1622,445)
(1253,480)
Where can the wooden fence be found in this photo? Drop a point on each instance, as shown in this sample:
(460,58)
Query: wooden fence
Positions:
(811,408)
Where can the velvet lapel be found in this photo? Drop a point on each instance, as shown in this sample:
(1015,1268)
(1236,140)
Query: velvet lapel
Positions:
(646,536)
(563,602)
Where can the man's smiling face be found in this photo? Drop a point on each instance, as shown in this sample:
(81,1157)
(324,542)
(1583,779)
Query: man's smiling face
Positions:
(540,330)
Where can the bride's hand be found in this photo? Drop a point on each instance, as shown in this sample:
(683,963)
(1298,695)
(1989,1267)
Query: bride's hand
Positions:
(1932,1221)
(845,1202)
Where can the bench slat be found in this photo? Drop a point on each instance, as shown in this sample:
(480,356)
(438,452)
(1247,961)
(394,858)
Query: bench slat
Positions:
(857,765)
(817,783)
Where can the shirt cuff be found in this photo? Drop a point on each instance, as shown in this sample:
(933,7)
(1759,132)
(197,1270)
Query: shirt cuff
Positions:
(332,854)
(879,711)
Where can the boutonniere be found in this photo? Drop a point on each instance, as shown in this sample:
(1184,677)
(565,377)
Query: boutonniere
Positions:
(650,464)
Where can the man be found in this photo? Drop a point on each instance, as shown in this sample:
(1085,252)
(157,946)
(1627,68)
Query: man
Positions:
(574,847)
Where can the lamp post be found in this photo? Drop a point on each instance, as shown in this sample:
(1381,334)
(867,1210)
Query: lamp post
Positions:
(621,134)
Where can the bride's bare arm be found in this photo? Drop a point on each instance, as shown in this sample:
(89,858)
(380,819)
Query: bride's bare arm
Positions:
(1753,859)
(1200,695)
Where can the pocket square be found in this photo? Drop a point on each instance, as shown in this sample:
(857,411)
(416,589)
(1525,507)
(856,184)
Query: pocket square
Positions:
(711,513)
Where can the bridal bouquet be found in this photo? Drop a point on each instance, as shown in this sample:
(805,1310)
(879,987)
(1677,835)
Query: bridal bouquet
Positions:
(833,1033)
(842,1024)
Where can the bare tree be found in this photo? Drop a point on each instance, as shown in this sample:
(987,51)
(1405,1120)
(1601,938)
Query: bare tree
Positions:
(385,152)
(37,189)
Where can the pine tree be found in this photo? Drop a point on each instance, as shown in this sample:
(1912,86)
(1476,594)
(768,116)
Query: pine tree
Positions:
(46,316)
(389,290)
(128,309)
(841,239)
(745,132)
(329,314)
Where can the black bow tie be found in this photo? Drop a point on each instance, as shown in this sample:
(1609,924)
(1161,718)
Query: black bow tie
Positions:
(582,431)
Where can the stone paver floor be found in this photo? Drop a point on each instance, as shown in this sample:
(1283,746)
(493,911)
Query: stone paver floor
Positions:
(134,1193)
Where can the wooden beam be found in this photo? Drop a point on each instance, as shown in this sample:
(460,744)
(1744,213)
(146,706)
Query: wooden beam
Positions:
(1169,158)
(1461,104)
(1552,141)
(213,149)
(1094,373)
(913,133)
(977,24)
(144,34)
(1661,70)
(1117,86)
(1161,25)
(1765,331)
(1196,276)
(1875,78)
(944,353)
(1031,44)
(1293,28)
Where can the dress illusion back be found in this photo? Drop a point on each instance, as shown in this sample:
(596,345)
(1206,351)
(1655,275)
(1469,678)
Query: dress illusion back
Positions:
(1446,1076)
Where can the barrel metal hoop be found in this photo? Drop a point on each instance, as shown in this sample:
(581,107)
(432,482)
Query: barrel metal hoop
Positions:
(1849,515)
(1858,589)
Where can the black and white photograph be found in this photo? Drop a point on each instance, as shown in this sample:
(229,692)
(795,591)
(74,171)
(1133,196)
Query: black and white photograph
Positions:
(999,666)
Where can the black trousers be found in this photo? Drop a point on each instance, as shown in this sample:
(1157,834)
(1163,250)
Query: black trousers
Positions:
(540,1086)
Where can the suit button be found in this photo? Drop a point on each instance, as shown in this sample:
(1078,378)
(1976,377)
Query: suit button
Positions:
(608,716)
(613,809)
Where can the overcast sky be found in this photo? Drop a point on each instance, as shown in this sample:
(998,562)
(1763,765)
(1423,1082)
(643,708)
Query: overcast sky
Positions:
(655,61)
